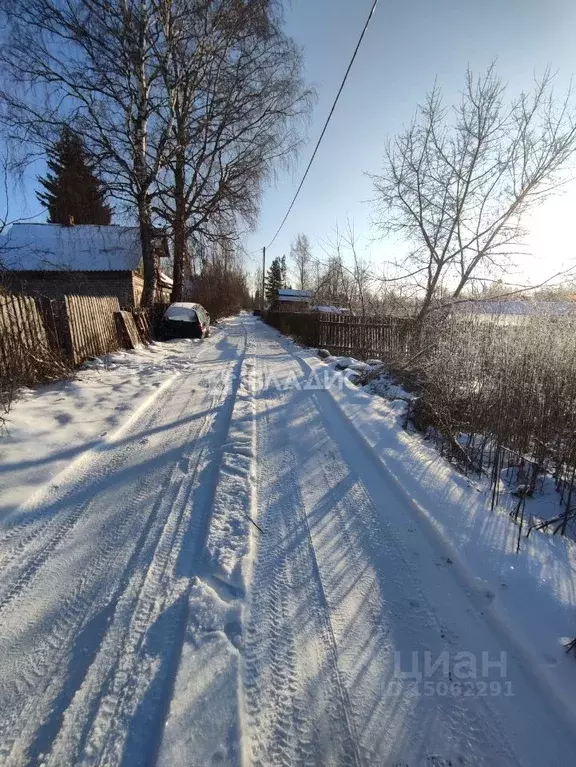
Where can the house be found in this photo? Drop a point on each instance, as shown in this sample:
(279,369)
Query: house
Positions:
(88,260)
(292,300)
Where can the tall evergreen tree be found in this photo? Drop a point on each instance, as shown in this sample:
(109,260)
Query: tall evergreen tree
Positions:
(72,188)
(274,280)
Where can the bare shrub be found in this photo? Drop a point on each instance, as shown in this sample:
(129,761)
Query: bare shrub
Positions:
(500,393)
(220,290)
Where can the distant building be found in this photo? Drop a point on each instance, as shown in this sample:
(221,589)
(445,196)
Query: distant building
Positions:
(292,300)
(88,260)
(331,309)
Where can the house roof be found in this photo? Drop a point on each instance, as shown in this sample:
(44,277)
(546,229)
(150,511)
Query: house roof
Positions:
(330,309)
(286,294)
(80,248)
(165,280)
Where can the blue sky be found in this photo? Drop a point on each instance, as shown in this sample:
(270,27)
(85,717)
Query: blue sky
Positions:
(407,45)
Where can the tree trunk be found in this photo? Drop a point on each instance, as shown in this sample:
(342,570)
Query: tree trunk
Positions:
(179,225)
(148,260)
(180,250)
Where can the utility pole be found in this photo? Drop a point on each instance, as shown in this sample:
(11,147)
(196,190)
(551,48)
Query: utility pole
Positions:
(263,278)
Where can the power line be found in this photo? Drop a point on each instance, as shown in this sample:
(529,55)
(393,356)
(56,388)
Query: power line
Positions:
(352,60)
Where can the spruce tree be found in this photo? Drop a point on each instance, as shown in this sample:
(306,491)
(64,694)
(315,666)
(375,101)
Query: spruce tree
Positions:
(274,280)
(72,188)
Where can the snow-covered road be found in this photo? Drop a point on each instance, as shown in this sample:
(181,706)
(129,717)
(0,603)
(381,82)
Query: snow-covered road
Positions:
(234,578)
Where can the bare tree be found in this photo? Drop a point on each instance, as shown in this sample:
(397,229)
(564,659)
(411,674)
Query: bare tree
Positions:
(457,183)
(345,278)
(301,257)
(234,87)
(91,64)
(333,284)
(360,272)
(10,175)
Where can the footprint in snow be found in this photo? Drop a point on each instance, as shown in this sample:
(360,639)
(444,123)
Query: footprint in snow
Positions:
(63,418)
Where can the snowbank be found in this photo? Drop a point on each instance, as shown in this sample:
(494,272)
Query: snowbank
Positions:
(50,428)
(531,596)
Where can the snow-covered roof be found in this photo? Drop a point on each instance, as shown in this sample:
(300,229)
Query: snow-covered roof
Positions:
(286,294)
(165,281)
(330,309)
(290,292)
(79,248)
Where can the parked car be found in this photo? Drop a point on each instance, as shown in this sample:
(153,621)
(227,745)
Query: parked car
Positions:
(185,320)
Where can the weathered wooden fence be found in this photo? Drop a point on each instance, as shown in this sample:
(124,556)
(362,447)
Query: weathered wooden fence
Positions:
(44,339)
(362,337)
(302,326)
(92,326)
(25,345)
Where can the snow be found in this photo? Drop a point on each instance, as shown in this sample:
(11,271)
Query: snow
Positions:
(525,308)
(329,309)
(345,362)
(53,247)
(51,428)
(533,594)
(181,312)
(232,571)
(165,280)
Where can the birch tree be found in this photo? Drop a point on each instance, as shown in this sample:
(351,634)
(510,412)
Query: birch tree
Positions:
(235,96)
(301,257)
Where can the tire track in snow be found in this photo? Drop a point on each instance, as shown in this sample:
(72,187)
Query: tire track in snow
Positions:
(367,535)
(345,527)
(32,534)
(297,709)
(205,720)
(72,613)
(375,540)
(129,672)
(88,598)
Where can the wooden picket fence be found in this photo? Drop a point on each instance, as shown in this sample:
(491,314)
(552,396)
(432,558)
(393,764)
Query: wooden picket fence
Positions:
(45,339)
(362,337)
(26,352)
(92,326)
